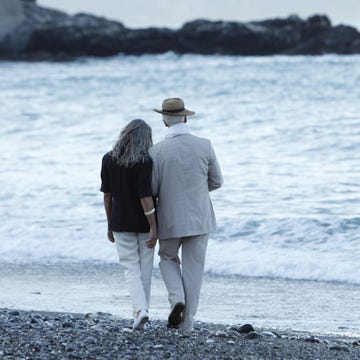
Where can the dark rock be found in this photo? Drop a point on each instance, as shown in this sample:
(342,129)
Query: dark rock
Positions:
(245,329)
(339,348)
(14,313)
(46,34)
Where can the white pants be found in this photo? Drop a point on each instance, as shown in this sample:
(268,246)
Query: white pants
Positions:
(137,260)
(184,283)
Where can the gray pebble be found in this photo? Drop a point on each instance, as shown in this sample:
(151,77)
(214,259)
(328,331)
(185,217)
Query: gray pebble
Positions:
(221,334)
(14,313)
(339,348)
(252,335)
(312,339)
(106,338)
(67,324)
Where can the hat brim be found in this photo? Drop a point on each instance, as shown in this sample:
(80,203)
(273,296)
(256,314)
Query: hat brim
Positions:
(184,112)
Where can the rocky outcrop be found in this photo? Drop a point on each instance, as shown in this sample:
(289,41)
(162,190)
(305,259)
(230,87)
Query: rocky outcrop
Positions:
(41,33)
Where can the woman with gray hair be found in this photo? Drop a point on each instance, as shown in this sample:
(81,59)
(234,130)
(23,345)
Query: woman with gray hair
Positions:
(126,184)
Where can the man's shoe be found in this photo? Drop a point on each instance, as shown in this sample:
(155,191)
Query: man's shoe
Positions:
(176,314)
(141,319)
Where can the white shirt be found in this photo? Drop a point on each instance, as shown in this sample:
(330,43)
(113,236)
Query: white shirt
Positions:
(177,129)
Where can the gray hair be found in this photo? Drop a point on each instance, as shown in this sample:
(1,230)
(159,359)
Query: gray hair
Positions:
(133,143)
(171,120)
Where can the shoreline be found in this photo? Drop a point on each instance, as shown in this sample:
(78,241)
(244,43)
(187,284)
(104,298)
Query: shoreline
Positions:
(50,335)
(312,307)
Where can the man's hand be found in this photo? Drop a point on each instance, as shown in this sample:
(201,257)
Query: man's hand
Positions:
(110,236)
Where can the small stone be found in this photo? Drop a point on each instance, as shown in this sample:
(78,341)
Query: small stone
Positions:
(245,329)
(268,334)
(14,313)
(339,348)
(67,324)
(127,330)
(221,334)
(158,346)
(67,317)
(312,339)
(210,341)
(37,316)
(231,342)
(90,340)
(252,335)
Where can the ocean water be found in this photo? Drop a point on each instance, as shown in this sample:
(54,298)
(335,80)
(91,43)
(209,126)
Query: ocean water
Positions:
(286,131)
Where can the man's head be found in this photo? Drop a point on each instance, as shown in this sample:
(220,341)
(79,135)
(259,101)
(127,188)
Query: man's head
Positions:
(174,111)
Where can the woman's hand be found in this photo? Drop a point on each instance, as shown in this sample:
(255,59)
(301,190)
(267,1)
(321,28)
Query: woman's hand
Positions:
(153,239)
(110,236)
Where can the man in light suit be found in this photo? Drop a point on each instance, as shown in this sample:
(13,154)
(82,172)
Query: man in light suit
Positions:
(185,169)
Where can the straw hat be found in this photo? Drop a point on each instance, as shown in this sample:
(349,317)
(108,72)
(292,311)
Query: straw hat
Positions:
(174,106)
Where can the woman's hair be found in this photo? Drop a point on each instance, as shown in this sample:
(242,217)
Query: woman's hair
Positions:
(133,143)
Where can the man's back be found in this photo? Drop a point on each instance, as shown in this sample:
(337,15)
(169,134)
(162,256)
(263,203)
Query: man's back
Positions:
(185,170)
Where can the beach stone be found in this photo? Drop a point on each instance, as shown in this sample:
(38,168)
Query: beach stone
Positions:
(312,339)
(127,330)
(221,334)
(269,334)
(245,329)
(37,316)
(14,313)
(339,348)
(252,335)
(67,324)
(67,317)
(90,340)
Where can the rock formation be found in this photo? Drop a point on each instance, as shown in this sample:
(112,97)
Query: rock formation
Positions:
(29,31)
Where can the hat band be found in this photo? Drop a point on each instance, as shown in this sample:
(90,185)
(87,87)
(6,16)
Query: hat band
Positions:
(174,111)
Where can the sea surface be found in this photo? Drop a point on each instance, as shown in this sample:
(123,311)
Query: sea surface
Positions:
(286,131)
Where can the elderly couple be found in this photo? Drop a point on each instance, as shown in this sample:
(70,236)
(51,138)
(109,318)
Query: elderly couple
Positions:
(178,172)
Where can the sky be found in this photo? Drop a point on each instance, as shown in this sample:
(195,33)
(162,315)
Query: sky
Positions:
(159,13)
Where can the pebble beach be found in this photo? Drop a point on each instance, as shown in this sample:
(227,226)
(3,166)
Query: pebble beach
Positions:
(55,335)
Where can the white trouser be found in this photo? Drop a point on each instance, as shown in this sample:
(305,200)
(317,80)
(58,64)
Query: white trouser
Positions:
(184,283)
(137,260)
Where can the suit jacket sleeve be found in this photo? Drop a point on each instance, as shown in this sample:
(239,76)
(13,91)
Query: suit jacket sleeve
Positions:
(215,178)
(155,174)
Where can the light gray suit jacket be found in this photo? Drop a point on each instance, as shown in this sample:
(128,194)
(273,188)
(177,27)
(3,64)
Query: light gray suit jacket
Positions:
(185,170)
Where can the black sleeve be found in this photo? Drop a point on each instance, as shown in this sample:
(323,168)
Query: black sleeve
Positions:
(144,172)
(105,181)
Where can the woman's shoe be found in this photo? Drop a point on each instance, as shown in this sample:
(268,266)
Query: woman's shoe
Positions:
(141,318)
